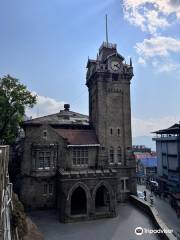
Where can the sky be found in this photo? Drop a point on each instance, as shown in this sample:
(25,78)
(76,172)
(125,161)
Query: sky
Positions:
(46,45)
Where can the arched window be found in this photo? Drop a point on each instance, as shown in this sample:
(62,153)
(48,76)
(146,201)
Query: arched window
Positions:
(119,155)
(111,155)
(119,132)
(111,131)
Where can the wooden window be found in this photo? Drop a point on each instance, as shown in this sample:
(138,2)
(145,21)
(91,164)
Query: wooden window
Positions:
(119,132)
(80,156)
(44,159)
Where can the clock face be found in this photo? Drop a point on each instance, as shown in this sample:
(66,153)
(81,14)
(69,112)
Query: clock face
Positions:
(115,65)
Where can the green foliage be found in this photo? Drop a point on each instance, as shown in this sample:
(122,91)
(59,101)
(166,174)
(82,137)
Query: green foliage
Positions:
(14,98)
(19,217)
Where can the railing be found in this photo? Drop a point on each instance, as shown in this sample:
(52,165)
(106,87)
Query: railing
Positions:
(108,45)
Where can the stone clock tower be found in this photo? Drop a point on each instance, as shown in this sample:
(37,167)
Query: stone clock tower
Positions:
(108,80)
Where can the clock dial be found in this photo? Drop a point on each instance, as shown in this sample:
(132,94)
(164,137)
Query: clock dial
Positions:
(115,65)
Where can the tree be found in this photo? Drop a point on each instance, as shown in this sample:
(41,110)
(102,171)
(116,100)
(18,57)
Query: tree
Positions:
(14,98)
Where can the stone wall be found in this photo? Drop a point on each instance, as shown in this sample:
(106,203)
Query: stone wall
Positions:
(153,214)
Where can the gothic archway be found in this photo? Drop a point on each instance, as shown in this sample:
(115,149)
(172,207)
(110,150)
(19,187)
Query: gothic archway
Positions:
(102,199)
(78,201)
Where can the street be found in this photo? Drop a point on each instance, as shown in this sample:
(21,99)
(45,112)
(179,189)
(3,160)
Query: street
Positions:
(166,212)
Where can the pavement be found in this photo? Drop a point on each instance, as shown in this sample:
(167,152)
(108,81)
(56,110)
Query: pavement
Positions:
(120,228)
(166,212)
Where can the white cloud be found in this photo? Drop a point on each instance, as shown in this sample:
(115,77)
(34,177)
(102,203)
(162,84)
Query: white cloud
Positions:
(141,127)
(45,105)
(151,15)
(158,50)
(157,46)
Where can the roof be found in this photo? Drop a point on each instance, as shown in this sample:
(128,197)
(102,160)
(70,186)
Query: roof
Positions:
(174,129)
(64,117)
(149,162)
(78,137)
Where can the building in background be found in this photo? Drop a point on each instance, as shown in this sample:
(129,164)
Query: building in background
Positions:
(146,164)
(84,165)
(168,153)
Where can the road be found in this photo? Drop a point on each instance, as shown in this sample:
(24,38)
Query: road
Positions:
(166,212)
(121,227)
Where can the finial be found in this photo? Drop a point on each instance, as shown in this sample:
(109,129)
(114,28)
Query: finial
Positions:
(106,30)
(130,62)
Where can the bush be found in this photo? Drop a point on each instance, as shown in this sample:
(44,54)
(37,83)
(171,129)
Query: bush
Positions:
(19,217)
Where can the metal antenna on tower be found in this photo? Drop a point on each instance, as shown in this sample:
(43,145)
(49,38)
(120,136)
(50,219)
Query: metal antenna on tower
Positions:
(106,30)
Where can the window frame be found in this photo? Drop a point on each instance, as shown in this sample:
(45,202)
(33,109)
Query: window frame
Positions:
(44,158)
(80,156)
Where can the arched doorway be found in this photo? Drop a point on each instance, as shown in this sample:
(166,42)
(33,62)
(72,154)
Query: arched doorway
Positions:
(78,202)
(102,199)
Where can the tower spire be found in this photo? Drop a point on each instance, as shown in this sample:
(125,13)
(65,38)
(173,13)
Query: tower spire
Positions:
(130,62)
(106,30)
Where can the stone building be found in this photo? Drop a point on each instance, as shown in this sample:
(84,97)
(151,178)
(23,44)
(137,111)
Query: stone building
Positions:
(83,165)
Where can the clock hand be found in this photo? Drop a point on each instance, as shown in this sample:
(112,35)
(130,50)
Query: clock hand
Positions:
(117,65)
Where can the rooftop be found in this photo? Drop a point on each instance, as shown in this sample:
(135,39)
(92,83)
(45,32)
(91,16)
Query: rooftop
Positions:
(174,130)
(64,117)
(78,137)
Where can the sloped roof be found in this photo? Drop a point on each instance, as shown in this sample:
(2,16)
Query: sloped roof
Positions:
(174,129)
(78,137)
(61,118)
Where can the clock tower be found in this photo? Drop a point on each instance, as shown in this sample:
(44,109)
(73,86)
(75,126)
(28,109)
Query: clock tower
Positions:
(108,80)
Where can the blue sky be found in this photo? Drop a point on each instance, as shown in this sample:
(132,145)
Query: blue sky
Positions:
(46,45)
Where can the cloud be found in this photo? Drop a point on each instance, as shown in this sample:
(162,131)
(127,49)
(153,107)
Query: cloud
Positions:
(158,51)
(157,46)
(141,127)
(151,15)
(45,105)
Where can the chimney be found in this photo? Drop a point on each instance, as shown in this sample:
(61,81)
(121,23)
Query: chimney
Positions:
(66,107)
